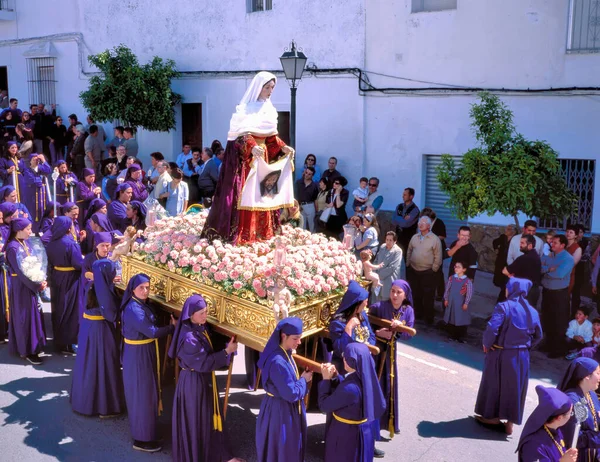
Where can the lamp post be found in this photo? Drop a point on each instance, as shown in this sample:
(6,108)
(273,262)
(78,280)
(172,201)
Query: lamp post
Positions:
(293,62)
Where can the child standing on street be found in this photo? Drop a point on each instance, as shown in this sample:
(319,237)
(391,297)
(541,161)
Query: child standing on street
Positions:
(547,249)
(580,332)
(457,297)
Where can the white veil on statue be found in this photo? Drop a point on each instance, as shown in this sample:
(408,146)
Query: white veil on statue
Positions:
(253,116)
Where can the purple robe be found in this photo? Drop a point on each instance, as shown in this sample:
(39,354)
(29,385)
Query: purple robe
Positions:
(46,224)
(62,192)
(194,438)
(340,339)
(385,310)
(4,292)
(84,194)
(117,215)
(35,196)
(512,330)
(86,267)
(26,330)
(588,443)
(540,447)
(140,377)
(347,442)
(23,210)
(281,422)
(7,178)
(97,386)
(138,190)
(65,288)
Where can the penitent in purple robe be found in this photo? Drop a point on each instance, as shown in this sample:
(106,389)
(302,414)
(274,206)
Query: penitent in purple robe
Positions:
(97,386)
(140,374)
(26,331)
(281,422)
(8,178)
(386,310)
(84,194)
(540,447)
(117,215)
(4,291)
(347,442)
(63,193)
(64,263)
(138,190)
(35,196)
(194,436)
(512,330)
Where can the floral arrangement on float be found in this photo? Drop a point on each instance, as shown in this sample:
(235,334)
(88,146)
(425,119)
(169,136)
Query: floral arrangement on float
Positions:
(311,265)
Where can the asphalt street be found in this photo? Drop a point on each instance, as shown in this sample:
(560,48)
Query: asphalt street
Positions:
(439,382)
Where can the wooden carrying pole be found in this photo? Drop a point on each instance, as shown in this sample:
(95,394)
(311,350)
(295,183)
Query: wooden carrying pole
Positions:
(228,385)
(374,350)
(388,324)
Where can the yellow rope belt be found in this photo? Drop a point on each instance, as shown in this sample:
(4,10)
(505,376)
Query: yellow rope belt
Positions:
(497,347)
(5,280)
(348,421)
(93,317)
(64,268)
(146,342)
(13,274)
(217,421)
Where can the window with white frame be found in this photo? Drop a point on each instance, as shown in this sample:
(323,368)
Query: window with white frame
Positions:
(259,5)
(41,80)
(584,26)
(419,6)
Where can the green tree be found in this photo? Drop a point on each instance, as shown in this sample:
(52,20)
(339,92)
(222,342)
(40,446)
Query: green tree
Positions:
(139,95)
(506,173)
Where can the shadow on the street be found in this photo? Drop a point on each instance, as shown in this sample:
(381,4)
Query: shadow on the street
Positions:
(467,427)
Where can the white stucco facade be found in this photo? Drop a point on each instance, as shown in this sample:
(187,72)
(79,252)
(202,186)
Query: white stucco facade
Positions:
(513,44)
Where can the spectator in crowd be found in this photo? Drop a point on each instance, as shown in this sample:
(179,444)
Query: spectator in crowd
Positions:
(190,174)
(25,136)
(512,331)
(311,161)
(337,199)
(438,227)
(78,150)
(423,260)
(30,125)
(109,182)
(131,144)
(500,246)
(579,333)
(369,239)
(331,174)
(219,157)
(122,158)
(57,139)
(128,163)
(8,124)
(111,159)
(405,219)
(292,216)
(184,156)
(390,256)
(457,297)
(321,204)
(575,250)
(374,199)
(152,173)
(595,279)
(547,248)
(177,194)
(513,249)
(101,133)
(208,176)
(215,146)
(15,112)
(93,150)
(306,192)
(41,125)
(3,99)
(118,138)
(527,266)
(586,255)
(163,180)
(556,275)
(360,194)
(463,250)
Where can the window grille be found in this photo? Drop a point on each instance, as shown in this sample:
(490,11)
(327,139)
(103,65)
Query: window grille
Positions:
(580,176)
(41,80)
(584,26)
(259,5)
(419,6)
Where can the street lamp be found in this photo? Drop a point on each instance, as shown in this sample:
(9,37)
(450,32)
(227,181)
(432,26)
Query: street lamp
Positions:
(293,62)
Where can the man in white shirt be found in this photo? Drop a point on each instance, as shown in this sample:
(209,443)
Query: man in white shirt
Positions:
(184,156)
(514,251)
(163,179)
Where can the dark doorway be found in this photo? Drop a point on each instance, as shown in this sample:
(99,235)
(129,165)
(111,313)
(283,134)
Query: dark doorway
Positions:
(191,124)
(283,126)
(3,78)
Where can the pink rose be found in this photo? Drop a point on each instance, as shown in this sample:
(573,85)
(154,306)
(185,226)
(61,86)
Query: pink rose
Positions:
(196,268)
(163,259)
(237,285)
